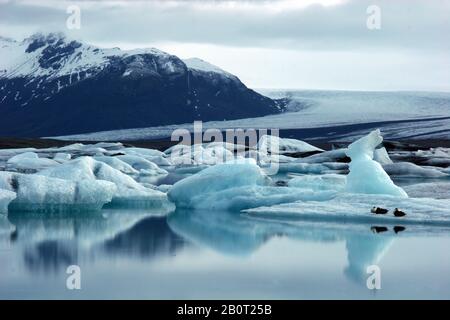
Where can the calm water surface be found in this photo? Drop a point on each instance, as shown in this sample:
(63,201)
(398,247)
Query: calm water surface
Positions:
(206,255)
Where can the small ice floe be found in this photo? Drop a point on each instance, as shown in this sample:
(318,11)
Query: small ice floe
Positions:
(274,144)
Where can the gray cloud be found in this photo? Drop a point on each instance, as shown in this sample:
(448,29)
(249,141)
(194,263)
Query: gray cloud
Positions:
(417,28)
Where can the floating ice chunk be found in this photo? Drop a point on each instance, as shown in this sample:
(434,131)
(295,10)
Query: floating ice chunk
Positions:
(367,175)
(319,182)
(39,193)
(6,197)
(381,156)
(284,146)
(155,156)
(143,152)
(356,208)
(29,162)
(412,170)
(144,166)
(62,157)
(234,186)
(198,154)
(128,190)
(117,164)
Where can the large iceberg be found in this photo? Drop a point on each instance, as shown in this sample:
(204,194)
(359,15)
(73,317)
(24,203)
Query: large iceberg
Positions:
(366,175)
(88,169)
(234,186)
(44,194)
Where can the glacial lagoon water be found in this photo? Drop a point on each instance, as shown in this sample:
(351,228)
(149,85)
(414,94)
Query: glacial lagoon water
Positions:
(145,254)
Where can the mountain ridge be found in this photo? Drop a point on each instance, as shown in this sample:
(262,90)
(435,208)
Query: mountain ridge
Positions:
(52,85)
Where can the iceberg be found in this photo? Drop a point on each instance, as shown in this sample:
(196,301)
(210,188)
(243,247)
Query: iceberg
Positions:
(127,189)
(62,157)
(29,162)
(366,175)
(145,167)
(408,169)
(274,144)
(39,193)
(117,164)
(234,186)
(381,156)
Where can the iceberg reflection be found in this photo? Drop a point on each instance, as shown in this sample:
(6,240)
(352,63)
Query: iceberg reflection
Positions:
(241,235)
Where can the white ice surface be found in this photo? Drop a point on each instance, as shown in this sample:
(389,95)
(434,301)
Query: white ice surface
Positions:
(127,189)
(319,182)
(367,175)
(234,186)
(275,144)
(356,208)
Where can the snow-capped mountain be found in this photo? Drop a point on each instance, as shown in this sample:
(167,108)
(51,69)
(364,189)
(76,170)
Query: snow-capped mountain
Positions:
(51,85)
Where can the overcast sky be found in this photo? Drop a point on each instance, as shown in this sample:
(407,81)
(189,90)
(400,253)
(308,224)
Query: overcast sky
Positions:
(310,44)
